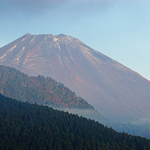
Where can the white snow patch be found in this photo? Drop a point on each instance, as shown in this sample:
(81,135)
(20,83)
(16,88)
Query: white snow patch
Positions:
(45,38)
(3,56)
(60,59)
(55,39)
(31,65)
(12,48)
(69,38)
(17,58)
(32,39)
(23,39)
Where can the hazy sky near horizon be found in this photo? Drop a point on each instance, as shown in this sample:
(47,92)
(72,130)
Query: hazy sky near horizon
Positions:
(119,29)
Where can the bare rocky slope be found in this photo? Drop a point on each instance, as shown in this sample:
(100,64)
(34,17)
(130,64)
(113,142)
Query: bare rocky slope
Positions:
(116,91)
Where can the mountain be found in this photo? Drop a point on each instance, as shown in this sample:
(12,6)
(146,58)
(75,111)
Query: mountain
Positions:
(116,91)
(25,126)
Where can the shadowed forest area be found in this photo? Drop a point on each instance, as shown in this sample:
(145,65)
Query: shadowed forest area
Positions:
(31,126)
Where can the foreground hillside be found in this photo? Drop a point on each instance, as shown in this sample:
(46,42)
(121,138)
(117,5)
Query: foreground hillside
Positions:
(30,126)
(116,91)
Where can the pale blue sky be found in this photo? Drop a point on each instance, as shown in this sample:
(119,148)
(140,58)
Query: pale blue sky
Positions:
(119,29)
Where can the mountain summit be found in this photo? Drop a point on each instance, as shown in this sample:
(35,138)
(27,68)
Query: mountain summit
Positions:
(116,91)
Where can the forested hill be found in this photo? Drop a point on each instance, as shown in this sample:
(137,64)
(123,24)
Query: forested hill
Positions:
(30,126)
(47,91)
(39,90)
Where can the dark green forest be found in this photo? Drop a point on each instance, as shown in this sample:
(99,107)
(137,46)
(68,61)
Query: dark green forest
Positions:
(35,127)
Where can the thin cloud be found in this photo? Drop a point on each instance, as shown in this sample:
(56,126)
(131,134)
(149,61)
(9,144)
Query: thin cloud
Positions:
(35,7)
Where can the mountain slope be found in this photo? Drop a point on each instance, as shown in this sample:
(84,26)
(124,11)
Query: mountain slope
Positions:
(116,91)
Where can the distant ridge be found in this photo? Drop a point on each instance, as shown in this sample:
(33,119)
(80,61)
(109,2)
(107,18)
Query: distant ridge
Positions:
(116,91)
